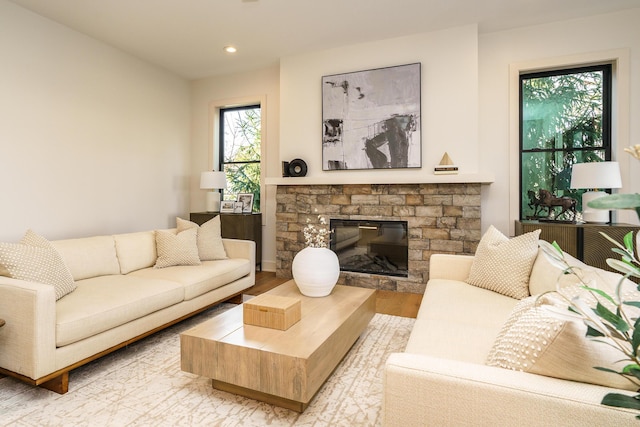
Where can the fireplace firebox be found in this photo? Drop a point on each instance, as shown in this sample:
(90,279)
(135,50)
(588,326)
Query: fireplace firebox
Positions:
(371,246)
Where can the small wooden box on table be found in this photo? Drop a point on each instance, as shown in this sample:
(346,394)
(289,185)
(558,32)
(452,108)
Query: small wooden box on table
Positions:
(272,311)
(281,367)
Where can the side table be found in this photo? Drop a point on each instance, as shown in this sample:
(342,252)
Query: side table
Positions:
(582,241)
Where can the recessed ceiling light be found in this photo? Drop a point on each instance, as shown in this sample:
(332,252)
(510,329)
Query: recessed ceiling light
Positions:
(230,49)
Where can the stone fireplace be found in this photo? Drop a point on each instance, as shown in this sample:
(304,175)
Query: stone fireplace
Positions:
(441,218)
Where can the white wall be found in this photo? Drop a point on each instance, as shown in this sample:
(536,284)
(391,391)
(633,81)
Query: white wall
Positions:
(93,141)
(466,97)
(213,93)
(564,42)
(449,98)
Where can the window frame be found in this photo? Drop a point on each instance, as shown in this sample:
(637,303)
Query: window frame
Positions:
(607,69)
(221,146)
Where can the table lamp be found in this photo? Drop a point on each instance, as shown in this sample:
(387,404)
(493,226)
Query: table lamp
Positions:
(213,181)
(595,176)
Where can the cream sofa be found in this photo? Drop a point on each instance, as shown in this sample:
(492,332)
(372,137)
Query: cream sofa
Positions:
(120,297)
(442,380)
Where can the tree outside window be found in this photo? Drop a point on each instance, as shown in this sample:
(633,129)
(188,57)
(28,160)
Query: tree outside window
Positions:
(565,118)
(240,139)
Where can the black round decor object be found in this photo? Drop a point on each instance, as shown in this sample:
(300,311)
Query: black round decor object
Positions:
(297,167)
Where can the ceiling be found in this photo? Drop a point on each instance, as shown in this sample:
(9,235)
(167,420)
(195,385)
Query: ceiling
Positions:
(187,36)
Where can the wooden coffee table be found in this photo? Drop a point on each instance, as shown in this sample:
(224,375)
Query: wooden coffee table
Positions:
(285,368)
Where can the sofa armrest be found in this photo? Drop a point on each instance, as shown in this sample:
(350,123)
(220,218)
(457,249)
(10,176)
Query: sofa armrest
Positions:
(421,390)
(452,267)
(27,340)
(238,248)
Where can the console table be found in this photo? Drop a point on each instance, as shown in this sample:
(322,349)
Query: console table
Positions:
(236,226)
(582,241)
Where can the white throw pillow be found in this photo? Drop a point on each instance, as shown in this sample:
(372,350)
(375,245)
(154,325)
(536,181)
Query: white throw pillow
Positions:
(136,250)
(503,265)
(35,259)
(210,246)
(176,248)
(535,341)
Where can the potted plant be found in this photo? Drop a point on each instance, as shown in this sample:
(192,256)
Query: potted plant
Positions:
(611,320)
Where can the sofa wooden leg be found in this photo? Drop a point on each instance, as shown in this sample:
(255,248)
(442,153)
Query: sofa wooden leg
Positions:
(236,299)
(59,384)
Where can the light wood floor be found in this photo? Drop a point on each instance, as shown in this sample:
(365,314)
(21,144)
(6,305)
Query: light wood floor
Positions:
(387,302)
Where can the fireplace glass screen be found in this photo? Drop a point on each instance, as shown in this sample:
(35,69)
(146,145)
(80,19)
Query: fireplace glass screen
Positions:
(376,247)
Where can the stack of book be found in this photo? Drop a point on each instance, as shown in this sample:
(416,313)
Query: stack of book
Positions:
(445,167)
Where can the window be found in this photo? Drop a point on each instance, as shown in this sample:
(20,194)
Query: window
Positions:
(565,118)
(240,138)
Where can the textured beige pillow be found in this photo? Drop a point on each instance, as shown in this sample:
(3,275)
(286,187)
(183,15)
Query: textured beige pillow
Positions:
(503,265)
(176,248)
(36,260)
(533,340)
(546,276)
(210,245)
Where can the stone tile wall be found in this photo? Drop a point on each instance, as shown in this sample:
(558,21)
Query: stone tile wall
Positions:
(442,218)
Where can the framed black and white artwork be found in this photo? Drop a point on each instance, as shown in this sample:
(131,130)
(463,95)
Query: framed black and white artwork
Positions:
(371,119)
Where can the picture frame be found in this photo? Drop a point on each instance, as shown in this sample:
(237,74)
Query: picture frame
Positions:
(226,206)
(247,202)
(372,119)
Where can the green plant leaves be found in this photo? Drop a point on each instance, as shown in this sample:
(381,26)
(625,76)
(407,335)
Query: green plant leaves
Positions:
(616,201)
(622,401)
(615,320)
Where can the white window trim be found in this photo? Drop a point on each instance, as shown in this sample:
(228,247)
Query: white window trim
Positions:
(620,120)
(214,137)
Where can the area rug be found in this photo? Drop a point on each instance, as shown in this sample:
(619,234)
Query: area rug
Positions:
(142,385)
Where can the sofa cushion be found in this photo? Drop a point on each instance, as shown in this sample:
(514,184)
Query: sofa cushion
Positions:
(547,276)
(203,278)
(176,248)
(35,259)
(458,321)
(89,256)
(534,340)
(102,303)
(136,250)
(503,265)
(210,245)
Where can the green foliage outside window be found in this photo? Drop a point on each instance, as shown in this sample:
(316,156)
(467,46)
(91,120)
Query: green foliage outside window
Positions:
(240,145)
(563,121)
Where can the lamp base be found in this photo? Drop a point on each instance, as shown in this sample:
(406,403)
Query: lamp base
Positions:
(600,216)
(213,201)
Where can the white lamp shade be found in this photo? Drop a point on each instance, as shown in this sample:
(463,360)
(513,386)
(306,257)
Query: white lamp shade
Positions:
(596,175)
(593,176)
(211,180)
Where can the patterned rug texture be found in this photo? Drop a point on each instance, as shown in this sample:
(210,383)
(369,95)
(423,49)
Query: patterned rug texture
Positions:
(142,385)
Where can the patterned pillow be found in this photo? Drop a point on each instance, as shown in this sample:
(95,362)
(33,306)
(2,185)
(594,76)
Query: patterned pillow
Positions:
(210,245)
(535,341)
(176,248)
(35,259)
(503,265)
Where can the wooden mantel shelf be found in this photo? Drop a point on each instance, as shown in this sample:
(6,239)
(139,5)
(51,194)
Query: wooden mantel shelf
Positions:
(329,178)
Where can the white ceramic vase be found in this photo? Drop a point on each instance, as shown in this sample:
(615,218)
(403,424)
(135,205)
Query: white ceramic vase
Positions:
(315,271)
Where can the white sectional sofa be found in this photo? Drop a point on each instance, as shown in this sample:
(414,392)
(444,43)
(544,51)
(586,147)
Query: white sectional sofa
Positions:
(119,297)
(442,378)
